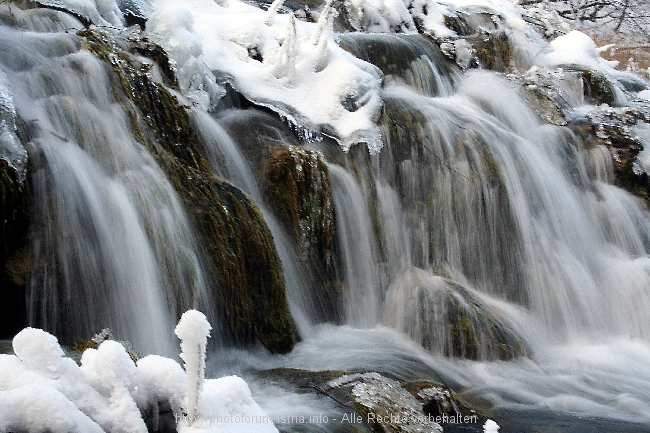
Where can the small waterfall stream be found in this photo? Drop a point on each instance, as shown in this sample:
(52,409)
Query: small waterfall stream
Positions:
(114,242)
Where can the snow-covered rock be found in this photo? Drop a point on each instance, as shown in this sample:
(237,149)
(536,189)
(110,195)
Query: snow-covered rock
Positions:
(42,390)
(272,62)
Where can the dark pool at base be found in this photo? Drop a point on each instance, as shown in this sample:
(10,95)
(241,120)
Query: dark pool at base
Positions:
(549,422)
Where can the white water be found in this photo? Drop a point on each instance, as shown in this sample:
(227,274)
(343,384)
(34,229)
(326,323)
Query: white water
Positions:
(526,218)
(518,212)
(113,241)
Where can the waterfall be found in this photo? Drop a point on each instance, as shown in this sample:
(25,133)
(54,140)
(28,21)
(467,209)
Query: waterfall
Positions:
(479,244)
(113,244)
(358,249)
(228,161)
(521,191)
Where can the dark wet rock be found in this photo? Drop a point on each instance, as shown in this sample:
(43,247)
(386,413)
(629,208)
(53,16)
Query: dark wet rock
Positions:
(449,319)
(598,89)
(493,50)
(383,402)
(469,22)
(136,12)
(374,402)
(614,128)
(436,399)
(488,43)
(297,187)
(250,295)
(15,258)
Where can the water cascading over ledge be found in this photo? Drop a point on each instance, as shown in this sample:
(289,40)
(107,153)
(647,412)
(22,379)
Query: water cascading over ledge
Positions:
(120,186)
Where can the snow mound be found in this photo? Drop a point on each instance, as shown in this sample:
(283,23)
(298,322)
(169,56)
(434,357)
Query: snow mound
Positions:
(42,390)
(578,49)
(293,67)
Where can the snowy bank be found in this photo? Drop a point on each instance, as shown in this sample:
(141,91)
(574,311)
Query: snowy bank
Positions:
(41,389)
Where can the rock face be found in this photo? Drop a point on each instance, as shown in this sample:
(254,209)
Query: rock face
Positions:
(376,403)
(250,293)
(480,41)
(553,94)
(598,89)
(449,319)
(383,402)
(614,128)
(15,258)
(297,187)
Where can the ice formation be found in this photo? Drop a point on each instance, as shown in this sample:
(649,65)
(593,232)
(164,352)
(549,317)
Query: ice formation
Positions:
(193,330)
(263,58)
(297,69)
(41,389)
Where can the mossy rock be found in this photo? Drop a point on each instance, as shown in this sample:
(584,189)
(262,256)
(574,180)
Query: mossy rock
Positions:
(297,186)
(493,50)
(598,89)
(249,292)
(612,130)
(449,319)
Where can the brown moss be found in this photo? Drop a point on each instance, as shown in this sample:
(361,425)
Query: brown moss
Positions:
(296,184)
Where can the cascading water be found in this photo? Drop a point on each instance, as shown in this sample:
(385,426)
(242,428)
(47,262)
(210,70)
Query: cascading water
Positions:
(358,249)
(228,161)
(477,232)
(113,241)
(525,217)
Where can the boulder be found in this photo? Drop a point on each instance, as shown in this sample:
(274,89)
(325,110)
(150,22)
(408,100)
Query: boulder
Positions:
(373,402)
(449,319)
(297,187)
(614,128)
(598,89)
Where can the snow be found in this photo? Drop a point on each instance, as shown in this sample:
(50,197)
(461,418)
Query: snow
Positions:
(308,84)
(193,329)
(226,406)
(490,427)
(578,49)
(37,408)
(42,390)
(381,16)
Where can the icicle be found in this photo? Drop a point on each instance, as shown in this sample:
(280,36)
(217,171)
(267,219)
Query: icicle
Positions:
(323,23)
(286,66)
(193,330)
(272,12)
